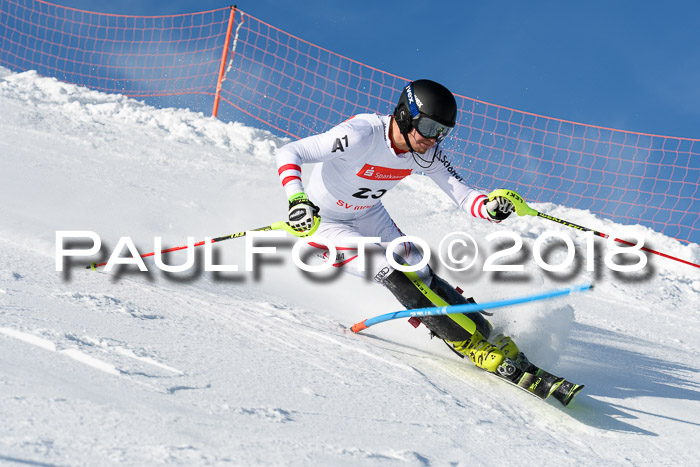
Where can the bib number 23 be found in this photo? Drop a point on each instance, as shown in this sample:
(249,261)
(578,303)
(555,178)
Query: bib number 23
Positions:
(364,193)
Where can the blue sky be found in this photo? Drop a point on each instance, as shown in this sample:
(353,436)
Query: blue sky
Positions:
(632,65)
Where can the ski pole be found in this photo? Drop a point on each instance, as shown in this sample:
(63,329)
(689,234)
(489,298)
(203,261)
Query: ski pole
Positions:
(280,225)
(467,307)
(522,209)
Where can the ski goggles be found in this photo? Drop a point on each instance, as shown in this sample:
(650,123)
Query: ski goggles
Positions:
(429,128)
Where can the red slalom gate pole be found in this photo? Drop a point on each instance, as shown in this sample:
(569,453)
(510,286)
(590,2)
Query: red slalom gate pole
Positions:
(222,66)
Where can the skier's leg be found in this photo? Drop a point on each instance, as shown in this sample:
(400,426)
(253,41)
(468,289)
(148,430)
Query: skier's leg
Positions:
(467,333)
(452,297)
(470,342)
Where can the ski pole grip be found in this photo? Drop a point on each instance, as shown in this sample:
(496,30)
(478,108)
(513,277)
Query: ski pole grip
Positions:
(281,225)
(521,207)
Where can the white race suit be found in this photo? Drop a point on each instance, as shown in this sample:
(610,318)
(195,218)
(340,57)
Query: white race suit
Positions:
(357,165)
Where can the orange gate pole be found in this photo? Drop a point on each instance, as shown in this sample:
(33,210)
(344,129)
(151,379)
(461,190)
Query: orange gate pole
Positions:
(222,68)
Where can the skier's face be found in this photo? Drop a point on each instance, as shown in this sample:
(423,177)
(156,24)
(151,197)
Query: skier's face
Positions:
(420,143)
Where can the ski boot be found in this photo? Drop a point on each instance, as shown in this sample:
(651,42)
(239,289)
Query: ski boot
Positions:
(480,351)
(507,346)
(514,363)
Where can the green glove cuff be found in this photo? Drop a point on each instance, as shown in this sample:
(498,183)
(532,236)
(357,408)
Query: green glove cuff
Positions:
(298,196)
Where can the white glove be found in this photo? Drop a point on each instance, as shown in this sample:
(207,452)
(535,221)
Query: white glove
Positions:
(499,208)
(301,212)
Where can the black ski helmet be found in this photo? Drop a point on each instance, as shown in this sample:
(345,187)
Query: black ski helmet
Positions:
(430,99)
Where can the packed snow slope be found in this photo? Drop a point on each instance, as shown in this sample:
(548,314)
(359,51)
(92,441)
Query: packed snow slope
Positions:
(199,367)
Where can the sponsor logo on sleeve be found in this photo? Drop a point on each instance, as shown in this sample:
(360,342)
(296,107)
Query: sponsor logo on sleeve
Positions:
(448,165)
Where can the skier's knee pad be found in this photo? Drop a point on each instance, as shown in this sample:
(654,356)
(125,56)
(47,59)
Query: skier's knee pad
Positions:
(445,327)
(452,297)
(405,291)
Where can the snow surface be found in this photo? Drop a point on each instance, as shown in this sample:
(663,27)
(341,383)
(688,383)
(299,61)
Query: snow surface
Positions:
(259,367)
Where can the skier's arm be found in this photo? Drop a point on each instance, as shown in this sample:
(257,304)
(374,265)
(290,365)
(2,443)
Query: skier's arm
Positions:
(290,158)
(343,140)
(470,200)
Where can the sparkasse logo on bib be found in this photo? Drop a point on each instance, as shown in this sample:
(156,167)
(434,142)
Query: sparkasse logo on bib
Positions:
(375,172)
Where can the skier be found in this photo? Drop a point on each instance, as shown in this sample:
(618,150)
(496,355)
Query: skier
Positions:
(359,161)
